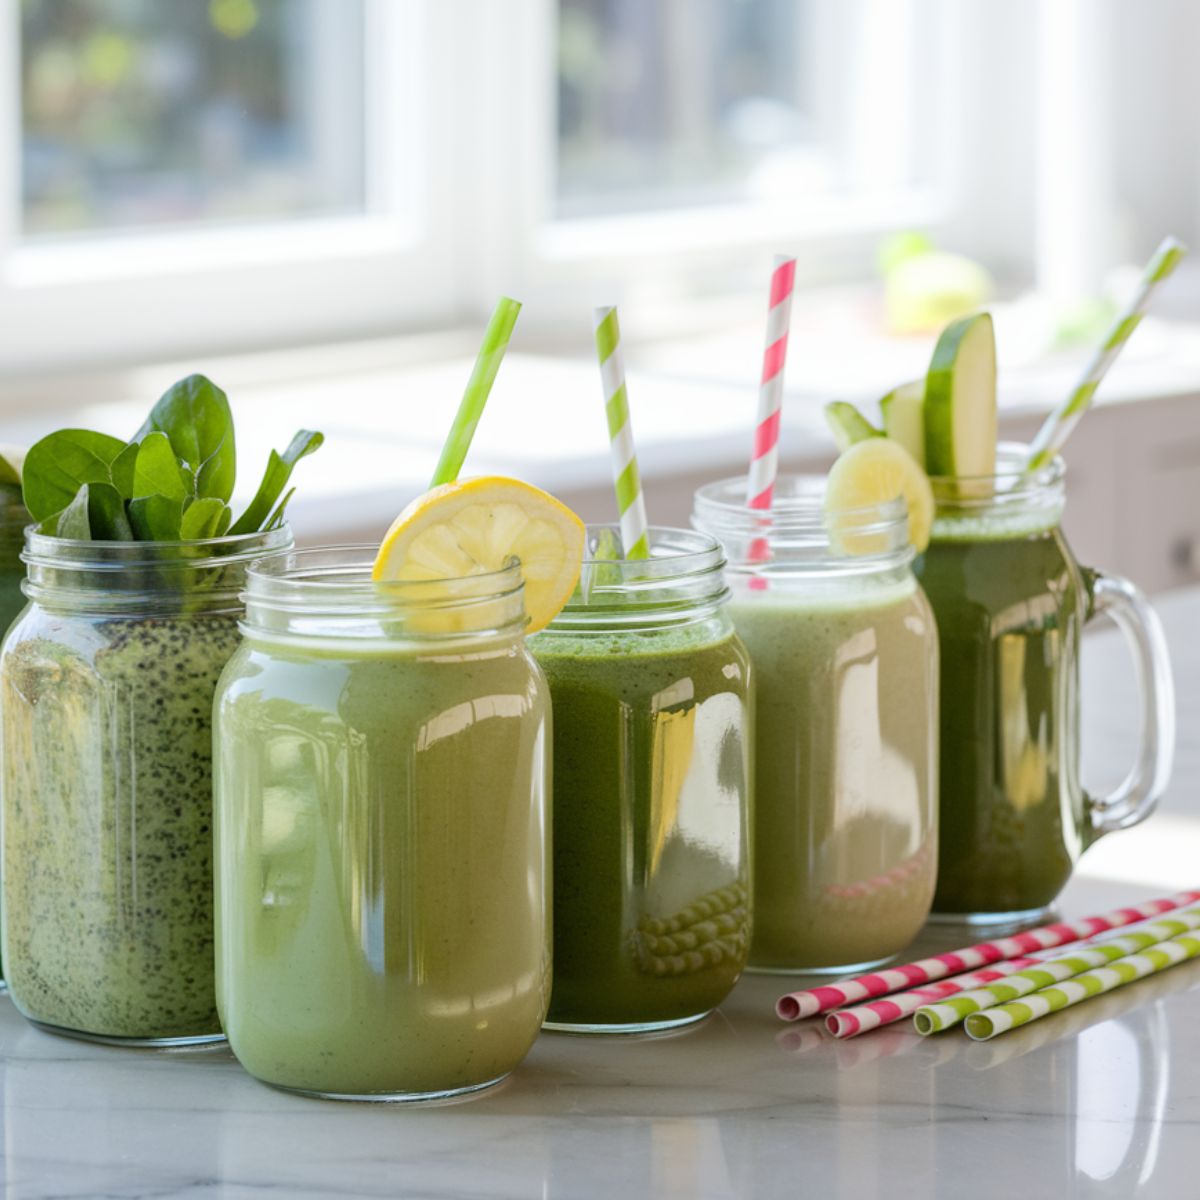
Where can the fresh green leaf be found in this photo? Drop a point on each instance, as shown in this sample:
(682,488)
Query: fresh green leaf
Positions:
(279,471)
(73,522)
(57,465)
(106,514)
(194,414)
(156,471)
(275,521)
(156,518)
(124,467)
(202,519)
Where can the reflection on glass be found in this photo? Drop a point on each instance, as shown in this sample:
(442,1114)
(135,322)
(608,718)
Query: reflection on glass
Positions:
(136,112)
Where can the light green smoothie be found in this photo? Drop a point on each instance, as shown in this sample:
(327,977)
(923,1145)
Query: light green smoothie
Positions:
(381,918)
(845,849)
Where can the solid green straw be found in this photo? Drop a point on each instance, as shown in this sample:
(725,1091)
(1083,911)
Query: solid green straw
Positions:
(491,353)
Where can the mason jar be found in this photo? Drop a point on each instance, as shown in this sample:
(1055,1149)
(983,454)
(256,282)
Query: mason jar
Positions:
(652,732)
(845,655)
(382,836)
(1011,603)
(106,687)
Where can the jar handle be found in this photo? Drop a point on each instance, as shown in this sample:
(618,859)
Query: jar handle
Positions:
(1134,800)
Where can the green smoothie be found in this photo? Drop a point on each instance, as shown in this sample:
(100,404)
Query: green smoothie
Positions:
(1010,602)
(13,519)
(845,795)
(381,921)
(108,868)
(651,778)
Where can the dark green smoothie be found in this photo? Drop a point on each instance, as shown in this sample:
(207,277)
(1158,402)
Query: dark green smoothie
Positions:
(651,779)
(1010,602)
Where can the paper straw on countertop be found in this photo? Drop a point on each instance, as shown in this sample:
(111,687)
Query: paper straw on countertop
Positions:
(850,1022)
(631,504)
(479,386)
(810,1001)
(1059,424)
(946,1014)
(984,1025)
(937,1017)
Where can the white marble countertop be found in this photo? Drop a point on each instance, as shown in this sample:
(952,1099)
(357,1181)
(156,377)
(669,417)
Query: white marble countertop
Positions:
(1101,1100)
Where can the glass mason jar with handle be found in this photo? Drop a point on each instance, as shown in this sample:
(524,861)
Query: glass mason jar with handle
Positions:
(652,729)
(106,686)
(1011,604)
(844,652)
(382,841)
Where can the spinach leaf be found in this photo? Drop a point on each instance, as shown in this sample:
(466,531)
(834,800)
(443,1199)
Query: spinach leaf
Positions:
(106,513)
(73,521)
(156,470)
(278,472)
(124,467)
(276,519)
(156,518)
(194,414)
(56,466)
(203,518)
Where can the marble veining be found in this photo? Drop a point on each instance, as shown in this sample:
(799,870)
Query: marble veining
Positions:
(1101,1100)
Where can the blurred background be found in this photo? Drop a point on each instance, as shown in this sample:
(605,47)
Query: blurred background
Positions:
(317,202)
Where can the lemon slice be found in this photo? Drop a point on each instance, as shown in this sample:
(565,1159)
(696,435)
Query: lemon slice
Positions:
(476,526)
(871,473)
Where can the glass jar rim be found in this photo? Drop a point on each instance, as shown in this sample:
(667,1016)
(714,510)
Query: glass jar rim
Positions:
(49,550)
(798,500)
(799,533)
(326,595)
(1011,482)
(340,576)
(683,580)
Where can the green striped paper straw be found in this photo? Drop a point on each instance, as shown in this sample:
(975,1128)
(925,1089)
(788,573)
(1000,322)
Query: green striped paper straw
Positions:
(984,1025)
(1057,428)
(936,1018)
(630,503)
(479,386)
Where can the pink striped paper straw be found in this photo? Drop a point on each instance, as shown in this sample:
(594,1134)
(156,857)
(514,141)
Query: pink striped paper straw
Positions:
(764,461)
(850,1022)
(806,1003)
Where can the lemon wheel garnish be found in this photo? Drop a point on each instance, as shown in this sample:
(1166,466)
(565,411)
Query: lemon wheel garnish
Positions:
(874,472)
(476,526)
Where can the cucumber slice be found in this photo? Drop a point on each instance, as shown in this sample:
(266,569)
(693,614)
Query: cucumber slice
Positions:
(848,425)
(12,460)
(960,400)
(903,411)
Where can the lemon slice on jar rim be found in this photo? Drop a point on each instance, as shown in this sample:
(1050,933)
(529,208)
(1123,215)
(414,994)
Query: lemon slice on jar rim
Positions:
(871,473)
(475,527)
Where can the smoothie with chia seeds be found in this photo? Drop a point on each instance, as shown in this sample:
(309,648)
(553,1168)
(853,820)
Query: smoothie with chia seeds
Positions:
(135,564)
(108,867)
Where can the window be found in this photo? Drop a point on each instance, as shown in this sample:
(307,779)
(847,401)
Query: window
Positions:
(200,175)
(140,114)
(741,101)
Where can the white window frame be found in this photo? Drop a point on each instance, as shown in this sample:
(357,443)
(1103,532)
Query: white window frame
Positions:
(562,265)
(125,297)
(461,97)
